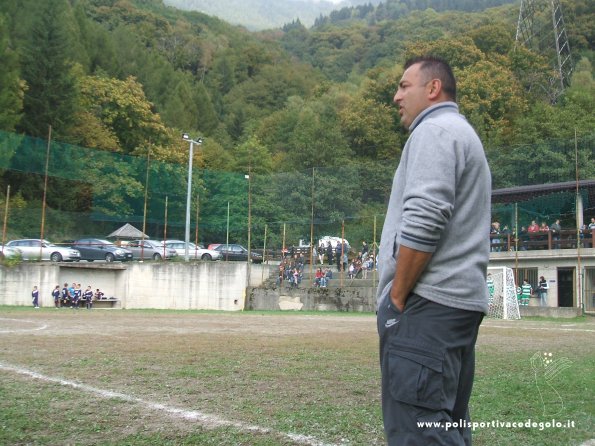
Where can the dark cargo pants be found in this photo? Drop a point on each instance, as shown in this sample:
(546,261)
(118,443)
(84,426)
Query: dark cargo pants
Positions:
(427,361)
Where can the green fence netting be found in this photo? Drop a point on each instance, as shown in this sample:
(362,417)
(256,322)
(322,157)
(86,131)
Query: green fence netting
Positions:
(93,192)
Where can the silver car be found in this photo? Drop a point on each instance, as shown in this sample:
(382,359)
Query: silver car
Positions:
(34,249)
(150,249)
(194,251)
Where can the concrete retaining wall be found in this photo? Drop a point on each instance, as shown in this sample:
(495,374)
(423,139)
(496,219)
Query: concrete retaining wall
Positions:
(162,285)
(312,299)
(556,312)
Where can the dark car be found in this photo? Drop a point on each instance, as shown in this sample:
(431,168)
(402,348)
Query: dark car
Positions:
(98,249)
(237,252)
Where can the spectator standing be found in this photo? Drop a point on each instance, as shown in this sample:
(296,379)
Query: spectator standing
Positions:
(432,293)
(589,231)
(35,297)
(542,288)
(494,233)
(365,267)
(295,276)
(556,230)
(56,296)
(321,249)
(506,233)
(533,227)
(524,238)
(329,253)
(365,249)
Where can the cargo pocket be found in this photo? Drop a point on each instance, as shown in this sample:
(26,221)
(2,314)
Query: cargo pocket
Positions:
(416,373)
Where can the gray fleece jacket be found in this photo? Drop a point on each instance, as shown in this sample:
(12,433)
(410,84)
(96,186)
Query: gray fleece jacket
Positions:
(440,203)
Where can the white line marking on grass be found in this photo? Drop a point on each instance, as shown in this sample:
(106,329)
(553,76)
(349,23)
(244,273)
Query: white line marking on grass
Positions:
(205,419)
(19,330)
(516,327)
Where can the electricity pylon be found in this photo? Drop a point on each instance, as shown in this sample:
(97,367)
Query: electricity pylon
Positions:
(541,29)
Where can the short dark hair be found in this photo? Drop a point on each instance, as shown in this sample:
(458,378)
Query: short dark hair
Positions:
(437,68)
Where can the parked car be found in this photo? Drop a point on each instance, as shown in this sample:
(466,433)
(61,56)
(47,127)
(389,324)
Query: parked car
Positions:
(237,252)
(32,248)
(98,249)
(151,249)
(9,252)
(194,251)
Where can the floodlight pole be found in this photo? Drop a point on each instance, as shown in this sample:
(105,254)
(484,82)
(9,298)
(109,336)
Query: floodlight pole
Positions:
(185,137)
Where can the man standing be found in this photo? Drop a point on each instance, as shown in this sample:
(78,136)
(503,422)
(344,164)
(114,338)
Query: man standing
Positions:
(434,252)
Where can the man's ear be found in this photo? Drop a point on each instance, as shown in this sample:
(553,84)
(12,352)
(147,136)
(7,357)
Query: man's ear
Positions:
(435,88)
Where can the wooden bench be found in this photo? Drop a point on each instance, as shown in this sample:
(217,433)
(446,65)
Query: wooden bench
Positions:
(110,302)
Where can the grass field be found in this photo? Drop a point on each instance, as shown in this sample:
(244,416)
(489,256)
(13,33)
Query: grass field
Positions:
(126,377)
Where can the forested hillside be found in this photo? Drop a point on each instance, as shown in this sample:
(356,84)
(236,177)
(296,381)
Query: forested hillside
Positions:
(128,76)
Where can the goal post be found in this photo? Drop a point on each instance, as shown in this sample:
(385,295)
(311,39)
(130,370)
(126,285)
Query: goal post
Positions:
(503,301)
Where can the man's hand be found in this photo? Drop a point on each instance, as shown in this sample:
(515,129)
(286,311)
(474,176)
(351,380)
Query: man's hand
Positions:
(410,265)
(398,301)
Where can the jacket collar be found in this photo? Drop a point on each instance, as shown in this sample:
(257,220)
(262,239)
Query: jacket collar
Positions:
(449,106)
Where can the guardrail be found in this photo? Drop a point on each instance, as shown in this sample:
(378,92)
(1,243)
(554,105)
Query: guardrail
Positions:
(565,239)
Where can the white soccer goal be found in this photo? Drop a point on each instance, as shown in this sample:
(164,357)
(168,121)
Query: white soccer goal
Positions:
(502,294)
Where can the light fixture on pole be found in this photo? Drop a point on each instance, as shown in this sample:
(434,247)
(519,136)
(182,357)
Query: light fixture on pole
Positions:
(198,142)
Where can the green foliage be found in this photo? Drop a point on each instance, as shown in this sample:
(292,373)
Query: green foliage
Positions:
(11,88)
(118,78)
(121,107)
(51,96)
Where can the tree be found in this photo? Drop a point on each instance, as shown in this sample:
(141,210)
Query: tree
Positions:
(252,156)
(459,53)
(11,87)
(121,107)
(51,94)
(493,38)
(491,98)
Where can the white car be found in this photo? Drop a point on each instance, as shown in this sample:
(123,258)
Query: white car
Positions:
(194,251)
(323,242)
(33,248)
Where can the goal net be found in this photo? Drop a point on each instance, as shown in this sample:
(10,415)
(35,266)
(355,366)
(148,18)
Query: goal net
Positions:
(503,302)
